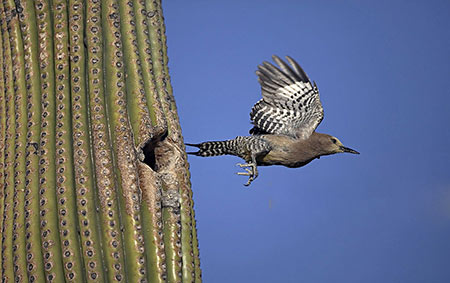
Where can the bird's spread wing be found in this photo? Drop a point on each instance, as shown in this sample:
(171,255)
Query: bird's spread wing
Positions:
(290,104)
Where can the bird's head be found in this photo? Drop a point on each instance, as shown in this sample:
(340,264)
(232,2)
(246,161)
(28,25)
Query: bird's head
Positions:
(333,145)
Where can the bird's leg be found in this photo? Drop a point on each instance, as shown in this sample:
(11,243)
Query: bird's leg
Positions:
(251,173)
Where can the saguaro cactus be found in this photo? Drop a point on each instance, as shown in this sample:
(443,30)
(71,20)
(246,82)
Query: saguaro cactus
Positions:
(94,182)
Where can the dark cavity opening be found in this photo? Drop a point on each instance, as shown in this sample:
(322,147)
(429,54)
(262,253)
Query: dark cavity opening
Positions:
(149,152)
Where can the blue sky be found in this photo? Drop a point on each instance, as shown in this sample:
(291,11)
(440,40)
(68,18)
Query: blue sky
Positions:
(383,72)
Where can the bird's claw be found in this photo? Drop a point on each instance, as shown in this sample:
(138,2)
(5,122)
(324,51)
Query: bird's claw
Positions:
(251,172)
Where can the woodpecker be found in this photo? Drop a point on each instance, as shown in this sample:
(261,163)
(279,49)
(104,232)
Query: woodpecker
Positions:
(284,123)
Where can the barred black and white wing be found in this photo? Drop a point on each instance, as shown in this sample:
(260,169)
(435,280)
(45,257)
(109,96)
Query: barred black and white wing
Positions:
(290,105)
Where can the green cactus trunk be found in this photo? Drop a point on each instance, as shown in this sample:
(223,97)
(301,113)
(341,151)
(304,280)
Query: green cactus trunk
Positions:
(94,181)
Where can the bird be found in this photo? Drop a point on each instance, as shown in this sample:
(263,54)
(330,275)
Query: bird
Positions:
(284,124)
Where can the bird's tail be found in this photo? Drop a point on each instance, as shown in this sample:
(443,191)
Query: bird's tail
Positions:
(244,147)
(215,148)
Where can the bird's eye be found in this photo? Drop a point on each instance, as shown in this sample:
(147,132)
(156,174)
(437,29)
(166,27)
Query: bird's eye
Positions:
(333,140)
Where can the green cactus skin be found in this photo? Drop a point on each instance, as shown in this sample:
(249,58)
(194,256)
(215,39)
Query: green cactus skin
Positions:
(166,162)
(94,180)
(84,169)
(7,225)
(2,140)
(136,100)
(65,183)
(51,245)
(20,113)
(158,120)
(152,223)
(149,182)
(124,151)
(111,234)
(35,265)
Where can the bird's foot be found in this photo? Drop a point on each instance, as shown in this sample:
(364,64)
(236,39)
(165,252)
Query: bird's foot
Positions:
(251,172)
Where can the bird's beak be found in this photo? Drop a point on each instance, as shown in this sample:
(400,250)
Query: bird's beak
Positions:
(349,150)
